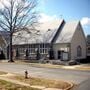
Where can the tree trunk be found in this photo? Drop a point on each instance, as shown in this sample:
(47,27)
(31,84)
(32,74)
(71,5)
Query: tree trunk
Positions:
(10,50)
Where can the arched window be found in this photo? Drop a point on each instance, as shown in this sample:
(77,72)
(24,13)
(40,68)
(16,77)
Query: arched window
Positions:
(79,51)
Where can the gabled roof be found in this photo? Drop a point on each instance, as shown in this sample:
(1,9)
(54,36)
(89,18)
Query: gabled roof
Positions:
(50,34)
(63,34)
(23,37)
(67,32)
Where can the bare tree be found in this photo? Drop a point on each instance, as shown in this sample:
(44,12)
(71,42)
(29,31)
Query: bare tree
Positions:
(16,15)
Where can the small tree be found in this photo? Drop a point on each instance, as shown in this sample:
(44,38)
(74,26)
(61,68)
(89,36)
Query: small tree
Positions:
(16,15)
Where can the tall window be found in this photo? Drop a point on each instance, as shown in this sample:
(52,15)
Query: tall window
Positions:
(79,51)
(88,50)
(43,48)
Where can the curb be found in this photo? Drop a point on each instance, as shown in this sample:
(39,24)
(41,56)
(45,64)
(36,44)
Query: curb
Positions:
(71,85)
(38,87)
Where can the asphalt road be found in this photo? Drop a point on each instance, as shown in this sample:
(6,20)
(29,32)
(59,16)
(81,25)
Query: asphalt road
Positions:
(83,86)
(75,76)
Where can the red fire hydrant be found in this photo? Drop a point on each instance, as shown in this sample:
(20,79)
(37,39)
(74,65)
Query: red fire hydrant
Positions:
(26,74)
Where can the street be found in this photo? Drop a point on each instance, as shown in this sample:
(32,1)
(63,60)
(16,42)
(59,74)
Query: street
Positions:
(75,76)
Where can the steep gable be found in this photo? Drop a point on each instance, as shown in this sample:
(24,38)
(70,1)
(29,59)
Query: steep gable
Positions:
(51,35)
(67,32)
(79,30)
(78,40)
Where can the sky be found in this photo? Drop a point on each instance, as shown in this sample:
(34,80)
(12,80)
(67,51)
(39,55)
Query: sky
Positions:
(52,11)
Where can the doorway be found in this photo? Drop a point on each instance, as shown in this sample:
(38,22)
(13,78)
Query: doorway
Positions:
(59,54)
(51,54)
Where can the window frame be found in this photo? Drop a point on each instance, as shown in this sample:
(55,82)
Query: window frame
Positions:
(79,51)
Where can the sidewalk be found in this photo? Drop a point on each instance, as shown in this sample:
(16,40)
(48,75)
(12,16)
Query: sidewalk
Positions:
(74,67)
(48,65)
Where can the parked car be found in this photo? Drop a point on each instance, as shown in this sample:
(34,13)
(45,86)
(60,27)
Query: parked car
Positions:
(73,62)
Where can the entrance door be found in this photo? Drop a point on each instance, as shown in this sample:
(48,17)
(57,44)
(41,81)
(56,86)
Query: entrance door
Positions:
(65,56)
(51,54)
(59,54)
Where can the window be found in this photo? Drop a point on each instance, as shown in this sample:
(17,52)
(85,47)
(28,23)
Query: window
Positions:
(44,48)
(89,48)
(79,51)
(41,45)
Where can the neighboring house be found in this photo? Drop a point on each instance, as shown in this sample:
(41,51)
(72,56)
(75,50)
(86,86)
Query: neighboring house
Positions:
(88,45)
(65,43)
(4,41)
(5,35)
(3,45)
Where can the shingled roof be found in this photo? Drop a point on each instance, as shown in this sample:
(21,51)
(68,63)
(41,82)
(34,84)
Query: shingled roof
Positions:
(67,32)
(23,37)
(50,35)
(63,34)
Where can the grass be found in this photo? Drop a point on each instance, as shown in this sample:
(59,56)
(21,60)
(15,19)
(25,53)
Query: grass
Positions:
(42,82)
(4,85)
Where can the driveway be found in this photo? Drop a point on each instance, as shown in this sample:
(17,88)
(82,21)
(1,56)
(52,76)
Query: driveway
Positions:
(74,76)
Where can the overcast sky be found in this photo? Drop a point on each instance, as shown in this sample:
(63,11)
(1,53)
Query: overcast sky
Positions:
(54,10)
